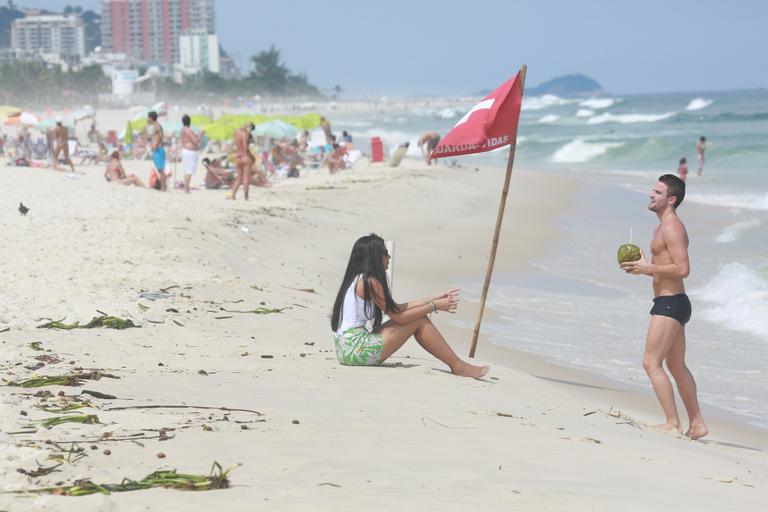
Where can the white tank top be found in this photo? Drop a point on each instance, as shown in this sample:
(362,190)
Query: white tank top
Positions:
(353,310)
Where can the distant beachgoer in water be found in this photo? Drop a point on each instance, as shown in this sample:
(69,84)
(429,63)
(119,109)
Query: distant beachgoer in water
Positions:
(61,145)
(671,308)
(701,147)
(427,143)
(364,296)
(682,169)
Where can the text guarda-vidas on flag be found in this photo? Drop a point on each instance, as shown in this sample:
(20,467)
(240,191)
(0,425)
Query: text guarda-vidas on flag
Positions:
(489,125)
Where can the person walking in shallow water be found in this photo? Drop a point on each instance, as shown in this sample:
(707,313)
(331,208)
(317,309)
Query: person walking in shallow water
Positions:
(701,147)
(364,296)
(671,310)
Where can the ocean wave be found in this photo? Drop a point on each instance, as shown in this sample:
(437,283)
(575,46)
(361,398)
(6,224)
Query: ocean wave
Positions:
(546,101)
(447,113)
(742,201)
(581,151)
(585,112)
(738,299)
(598,103)
(698,104)
(549,118)
(734,231)
(629,118)
(356,124)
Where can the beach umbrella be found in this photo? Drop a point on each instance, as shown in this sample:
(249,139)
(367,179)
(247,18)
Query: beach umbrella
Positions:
(127,134)
(220,130)
(258,119)
(277,129)
(50,122)
(310,121)
(6,110)
(200,120)
(171,127)
(139,124)
(28,118)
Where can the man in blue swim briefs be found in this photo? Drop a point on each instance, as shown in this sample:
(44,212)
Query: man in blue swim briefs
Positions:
(156,136)
(671,308)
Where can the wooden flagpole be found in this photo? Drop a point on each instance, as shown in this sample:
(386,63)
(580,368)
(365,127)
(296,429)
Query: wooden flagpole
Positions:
(499,218)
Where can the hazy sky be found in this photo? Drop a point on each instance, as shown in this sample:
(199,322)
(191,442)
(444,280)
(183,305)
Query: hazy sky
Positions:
(412,47)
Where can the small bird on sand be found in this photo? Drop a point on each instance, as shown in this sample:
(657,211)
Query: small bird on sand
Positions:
(23,209)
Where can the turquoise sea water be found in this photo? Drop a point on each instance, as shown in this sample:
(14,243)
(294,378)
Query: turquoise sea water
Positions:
(596,316)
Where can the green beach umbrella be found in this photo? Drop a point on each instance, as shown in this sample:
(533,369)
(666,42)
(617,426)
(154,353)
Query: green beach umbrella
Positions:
(128,136)
(200,120)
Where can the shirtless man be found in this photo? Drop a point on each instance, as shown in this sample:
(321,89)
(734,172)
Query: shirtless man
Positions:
(245,159)
(116,174)
(427,143)
(156,136)
(701,146)
(325,124)
(190,143)
(61,144)
(671,308)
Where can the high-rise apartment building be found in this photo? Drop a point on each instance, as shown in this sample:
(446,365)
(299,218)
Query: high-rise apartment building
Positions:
(58,35)
(148,30)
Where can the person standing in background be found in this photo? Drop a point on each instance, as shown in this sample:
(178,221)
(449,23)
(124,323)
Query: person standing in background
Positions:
(700,148)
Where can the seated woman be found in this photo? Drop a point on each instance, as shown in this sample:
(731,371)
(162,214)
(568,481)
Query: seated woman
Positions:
(215,175)
(335,160)
(364,295)
(116,174)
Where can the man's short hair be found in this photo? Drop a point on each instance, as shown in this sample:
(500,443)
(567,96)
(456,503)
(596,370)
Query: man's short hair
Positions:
(185,120)
(152,115)
(702,138)
(675,188)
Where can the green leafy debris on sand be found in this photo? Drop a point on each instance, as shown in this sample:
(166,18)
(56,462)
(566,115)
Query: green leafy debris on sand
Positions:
(106,321)
(218,478)
(61,380)
(88,419)
(143,307)
(36,345)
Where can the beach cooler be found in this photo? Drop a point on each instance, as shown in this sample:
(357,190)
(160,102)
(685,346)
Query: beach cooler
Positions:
(377,150)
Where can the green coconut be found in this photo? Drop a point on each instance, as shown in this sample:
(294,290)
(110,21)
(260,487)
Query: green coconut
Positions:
(627,253)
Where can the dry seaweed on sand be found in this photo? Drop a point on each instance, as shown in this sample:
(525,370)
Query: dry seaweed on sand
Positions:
(36,345)
(40,471)
(87,419)
(104,320)
(218,478)
(70,407)
(258,311)
(61,380)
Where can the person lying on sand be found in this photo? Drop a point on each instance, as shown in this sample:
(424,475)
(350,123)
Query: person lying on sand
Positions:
(116,174)
(364,295)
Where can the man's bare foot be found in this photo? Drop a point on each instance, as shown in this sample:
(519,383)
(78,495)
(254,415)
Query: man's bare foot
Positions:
(697,431)
(469,370)
(668,427)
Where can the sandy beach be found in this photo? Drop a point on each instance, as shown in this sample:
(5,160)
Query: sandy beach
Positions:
(309,433)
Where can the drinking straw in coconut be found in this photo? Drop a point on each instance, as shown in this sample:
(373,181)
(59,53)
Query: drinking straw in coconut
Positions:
(630,235)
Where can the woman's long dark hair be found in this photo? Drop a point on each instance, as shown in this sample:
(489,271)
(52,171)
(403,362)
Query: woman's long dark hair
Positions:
(367,258)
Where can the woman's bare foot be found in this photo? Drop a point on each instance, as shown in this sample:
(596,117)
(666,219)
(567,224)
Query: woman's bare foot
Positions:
(697,431)
(668,427)
(469,370)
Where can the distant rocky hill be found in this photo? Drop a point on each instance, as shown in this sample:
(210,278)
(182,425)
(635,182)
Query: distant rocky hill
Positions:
(568,85)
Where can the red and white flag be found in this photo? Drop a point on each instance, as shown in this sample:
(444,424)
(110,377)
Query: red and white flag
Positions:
(489,125)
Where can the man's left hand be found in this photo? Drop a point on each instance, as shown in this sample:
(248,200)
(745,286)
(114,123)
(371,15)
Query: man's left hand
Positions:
(638,267)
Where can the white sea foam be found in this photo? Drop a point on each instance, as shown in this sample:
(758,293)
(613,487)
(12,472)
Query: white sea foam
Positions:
(447,113)
(741,201)
(581,151)
(356,124)
(549,118)
(542,102)
(629,118)
(737,297)
(698,104)
(734,231)
(390,138)
(598,103)
(585,112)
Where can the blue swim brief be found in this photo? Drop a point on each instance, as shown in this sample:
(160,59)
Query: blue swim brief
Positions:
(158,157)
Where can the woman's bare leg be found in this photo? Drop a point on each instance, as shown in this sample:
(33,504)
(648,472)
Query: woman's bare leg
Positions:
(394,336)
(246,179)
(238,178)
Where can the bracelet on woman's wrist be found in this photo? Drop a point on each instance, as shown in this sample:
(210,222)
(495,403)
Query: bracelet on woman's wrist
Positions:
(433,307)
